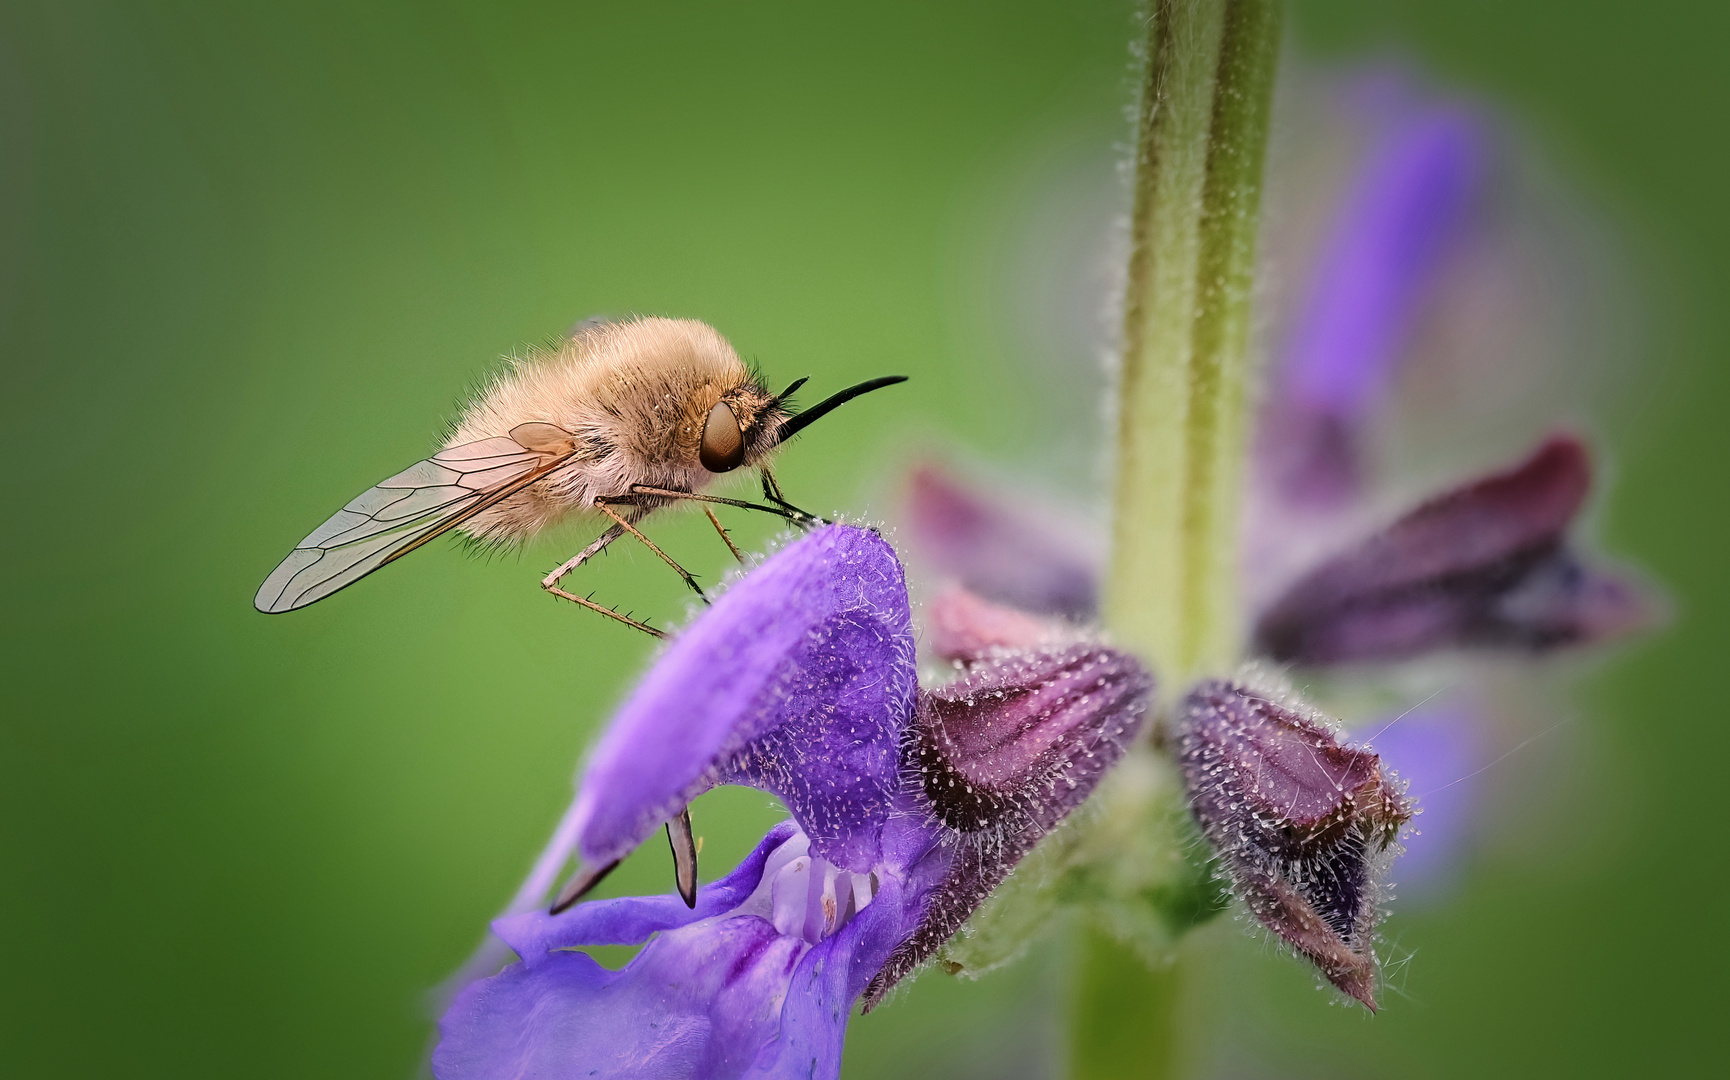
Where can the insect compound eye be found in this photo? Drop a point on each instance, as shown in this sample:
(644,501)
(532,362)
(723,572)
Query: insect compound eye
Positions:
(723,444)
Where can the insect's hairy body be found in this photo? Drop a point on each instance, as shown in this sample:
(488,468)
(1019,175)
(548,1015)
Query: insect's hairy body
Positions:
(620,418)
(627,401)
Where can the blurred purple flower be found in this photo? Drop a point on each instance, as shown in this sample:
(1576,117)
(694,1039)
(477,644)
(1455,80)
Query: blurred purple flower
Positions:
(1394,229)
(1438,752)
(1001,552)
(1486,564)
(908,807)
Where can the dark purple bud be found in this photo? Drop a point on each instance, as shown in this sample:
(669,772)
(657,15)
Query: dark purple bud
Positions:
(1300,823)
(1026,736)
(1001,553)
(1003,755)
(1483,565)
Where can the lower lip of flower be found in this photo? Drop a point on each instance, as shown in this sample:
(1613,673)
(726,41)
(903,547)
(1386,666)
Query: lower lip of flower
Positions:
(806,896)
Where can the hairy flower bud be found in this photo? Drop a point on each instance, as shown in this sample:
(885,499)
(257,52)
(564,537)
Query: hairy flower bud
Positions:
(1301,823)
(1027,734)
(1004,754)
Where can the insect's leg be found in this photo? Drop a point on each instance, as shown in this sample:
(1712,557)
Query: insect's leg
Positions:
(650,544)
(551,584)
(584,880)
(725,539)
(771,489)
(772,492)
(599,545)
(684,846)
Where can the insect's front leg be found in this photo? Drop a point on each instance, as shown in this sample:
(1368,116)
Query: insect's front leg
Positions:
(738,556)
(772,492)
(793,514)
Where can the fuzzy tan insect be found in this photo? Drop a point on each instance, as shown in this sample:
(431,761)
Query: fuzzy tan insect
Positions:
(620,419)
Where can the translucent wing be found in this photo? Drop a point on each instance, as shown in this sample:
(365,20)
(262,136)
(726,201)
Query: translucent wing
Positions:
(400,514)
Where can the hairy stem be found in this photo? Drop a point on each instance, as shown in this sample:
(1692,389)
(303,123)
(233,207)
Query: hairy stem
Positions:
(1172,595)
(1185,369)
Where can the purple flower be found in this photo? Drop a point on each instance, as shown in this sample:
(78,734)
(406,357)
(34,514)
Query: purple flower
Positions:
(797,683)
(1000,552)
(908,808)
(1397,224)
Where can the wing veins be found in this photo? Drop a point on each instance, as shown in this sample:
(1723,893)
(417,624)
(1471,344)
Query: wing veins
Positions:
(504,492)
(411,531)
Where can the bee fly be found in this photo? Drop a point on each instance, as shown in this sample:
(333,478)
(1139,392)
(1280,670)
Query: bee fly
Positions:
(621,419)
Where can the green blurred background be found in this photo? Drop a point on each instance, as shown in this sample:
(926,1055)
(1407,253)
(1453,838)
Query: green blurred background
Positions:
(251,255)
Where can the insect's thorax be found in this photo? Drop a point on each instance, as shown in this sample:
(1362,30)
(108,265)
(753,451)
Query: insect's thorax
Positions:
(633,397)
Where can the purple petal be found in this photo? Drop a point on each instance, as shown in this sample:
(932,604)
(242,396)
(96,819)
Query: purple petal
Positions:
(829,979)
(1004,755)
(1392,233)
(1299,822)
(798,680)
(698,1001)
(724,995)
(1481,565)
(1000,553)
(1408,201)
(631,920)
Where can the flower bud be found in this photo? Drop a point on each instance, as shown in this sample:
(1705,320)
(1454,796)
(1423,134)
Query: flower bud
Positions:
(1003,755)
(1301,823)
(1485,565)
(1028,734)
(1031,561)
(963,627)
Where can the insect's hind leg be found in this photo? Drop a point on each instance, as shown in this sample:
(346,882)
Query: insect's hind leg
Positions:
(551,582)
(684,844)
(679,832)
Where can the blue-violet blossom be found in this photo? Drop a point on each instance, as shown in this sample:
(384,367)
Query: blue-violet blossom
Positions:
(908,807)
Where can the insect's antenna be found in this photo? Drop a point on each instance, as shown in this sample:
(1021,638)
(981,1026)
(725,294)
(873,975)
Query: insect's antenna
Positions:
(795,424)
(787,393)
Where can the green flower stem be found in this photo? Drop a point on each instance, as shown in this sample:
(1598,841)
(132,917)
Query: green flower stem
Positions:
(1172,594)
(1123,1022)
(1185,370)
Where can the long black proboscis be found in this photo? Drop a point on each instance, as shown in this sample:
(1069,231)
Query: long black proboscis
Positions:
(795,424)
